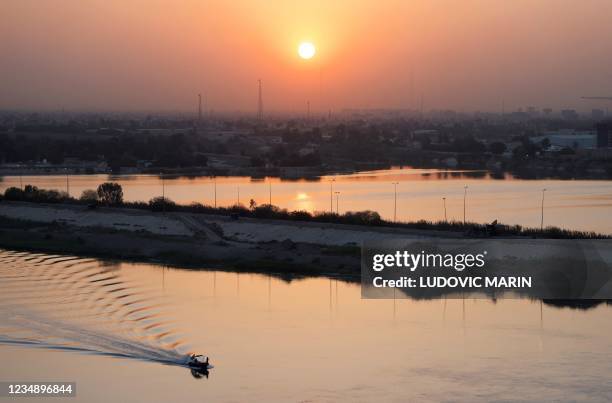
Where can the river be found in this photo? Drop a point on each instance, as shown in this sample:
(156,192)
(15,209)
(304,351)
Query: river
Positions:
(571,204)
(120,330)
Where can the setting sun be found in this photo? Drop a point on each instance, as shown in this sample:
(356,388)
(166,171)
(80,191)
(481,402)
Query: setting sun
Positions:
(306,50)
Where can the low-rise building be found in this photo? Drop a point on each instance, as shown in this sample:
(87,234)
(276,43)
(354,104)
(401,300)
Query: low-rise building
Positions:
(604,134)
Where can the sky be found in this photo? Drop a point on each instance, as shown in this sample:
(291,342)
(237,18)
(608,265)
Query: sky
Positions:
(159,54)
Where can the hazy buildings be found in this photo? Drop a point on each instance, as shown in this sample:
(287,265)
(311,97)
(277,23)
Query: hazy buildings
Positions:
(569,114)
(574,139)
(604,134)
(598,114)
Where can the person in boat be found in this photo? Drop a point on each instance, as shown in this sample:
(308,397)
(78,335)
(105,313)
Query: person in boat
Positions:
(196,360)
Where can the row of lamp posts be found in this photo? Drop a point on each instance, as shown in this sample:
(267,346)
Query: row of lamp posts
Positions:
(331,197)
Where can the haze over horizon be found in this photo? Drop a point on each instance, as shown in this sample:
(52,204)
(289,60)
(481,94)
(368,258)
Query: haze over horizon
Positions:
(157,55)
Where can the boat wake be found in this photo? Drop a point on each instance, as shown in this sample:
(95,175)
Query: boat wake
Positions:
(84,305)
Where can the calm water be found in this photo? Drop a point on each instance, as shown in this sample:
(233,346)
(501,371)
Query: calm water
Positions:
(577,204)
(271,340)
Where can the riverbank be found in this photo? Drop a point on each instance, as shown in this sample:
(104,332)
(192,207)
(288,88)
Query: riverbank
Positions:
(286,247)
(284,259)
(194,240)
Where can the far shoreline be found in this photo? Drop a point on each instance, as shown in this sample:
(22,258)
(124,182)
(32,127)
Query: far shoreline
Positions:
(293,173)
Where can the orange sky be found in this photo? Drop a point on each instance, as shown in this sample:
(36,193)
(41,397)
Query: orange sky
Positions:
(154,54)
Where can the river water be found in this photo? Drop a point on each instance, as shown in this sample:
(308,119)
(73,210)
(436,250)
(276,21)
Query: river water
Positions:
(121,331)
(572,204)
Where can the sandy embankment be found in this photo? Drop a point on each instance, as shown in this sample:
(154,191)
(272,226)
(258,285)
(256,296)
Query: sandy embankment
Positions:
(322,234)
(128,220)
(183,239)
(185,224)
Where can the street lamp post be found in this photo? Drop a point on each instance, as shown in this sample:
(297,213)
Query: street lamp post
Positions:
(542,215)
(163,181)
(337,198)
(395,201)
(67,183)
(331,195)
(464,197)
(444,201)
(163,186)
(215,189)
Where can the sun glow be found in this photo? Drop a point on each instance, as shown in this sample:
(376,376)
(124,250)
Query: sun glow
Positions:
(306,50)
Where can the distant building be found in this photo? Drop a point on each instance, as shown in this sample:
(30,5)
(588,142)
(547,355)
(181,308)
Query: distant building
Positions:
(597,114)
(569,114)
(224,136)
(422,136)
(519,115)
(304,151)
(158,132)
(604,134)
(568,138)
(532,111)
(451,162)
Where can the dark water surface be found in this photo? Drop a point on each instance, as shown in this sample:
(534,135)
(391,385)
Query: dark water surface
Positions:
(121,331)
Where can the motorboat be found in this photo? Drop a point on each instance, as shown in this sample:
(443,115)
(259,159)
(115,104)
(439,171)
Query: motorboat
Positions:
(199,361)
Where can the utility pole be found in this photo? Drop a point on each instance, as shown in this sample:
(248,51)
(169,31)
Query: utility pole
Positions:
(421,106)
(199,108)
(395,201)
(270,192)
(331,195)
(412,97)
(444,201)
(238,195)
(215,185)
(465,188)
(259,103)
(337,201)
(21,181)
(161,174)
(542,216)
(67,183)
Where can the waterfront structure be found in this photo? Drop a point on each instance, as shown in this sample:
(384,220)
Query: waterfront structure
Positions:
(604,134)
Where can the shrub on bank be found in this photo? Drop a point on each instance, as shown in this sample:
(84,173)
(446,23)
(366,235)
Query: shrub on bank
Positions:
(13,193)
(162,204)
(268,211)
(110,193)
(89,196)
(323,216)
(34,194)
(366,217)
(300,215)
